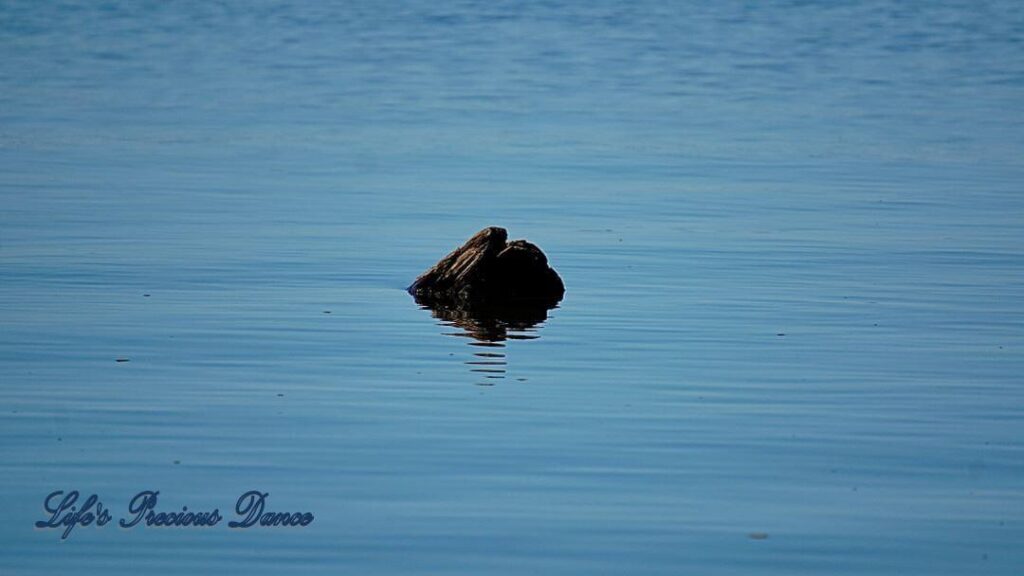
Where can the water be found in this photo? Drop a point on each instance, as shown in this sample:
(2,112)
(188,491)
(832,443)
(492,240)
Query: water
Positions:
(791,236)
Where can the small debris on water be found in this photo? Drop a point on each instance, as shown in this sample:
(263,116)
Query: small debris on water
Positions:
(177,461)
(280,395)
(327,311)
(758,535)
(145,295)
(781,334)
(122,360)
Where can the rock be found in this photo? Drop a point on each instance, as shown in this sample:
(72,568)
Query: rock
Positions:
(489,272)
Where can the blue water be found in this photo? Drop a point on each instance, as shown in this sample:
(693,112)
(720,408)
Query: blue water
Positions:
(792,236)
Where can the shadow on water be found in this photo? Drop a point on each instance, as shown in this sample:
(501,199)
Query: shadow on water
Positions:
(489,328)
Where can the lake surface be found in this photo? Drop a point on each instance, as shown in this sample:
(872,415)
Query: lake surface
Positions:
(792,237)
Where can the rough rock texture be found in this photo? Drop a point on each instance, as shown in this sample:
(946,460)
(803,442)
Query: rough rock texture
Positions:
(489,271)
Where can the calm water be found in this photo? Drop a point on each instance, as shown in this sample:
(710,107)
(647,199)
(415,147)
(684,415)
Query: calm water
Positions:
(792,238)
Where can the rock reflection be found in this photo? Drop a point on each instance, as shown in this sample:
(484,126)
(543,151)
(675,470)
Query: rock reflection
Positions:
(490,327)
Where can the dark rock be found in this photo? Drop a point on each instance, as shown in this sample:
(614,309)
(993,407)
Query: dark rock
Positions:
(488,274)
